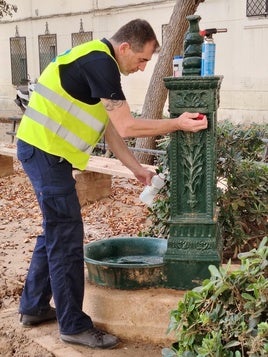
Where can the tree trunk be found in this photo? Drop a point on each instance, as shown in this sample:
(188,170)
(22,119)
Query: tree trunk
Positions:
(157,93)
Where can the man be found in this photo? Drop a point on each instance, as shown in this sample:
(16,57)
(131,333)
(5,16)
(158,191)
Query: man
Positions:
(79,97)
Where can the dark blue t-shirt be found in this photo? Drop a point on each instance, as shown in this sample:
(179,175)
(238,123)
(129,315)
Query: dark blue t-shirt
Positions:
(93,76)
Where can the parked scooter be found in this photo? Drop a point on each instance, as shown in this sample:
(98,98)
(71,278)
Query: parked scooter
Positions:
(24,92)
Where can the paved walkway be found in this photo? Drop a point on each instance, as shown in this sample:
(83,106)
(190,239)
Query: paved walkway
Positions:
(47,336)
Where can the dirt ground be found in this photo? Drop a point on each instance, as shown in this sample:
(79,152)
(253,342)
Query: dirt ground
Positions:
(121,214)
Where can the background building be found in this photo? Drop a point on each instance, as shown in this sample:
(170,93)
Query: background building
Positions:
(41,29)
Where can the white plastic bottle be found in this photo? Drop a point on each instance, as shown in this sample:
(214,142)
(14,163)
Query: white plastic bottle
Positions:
(148,194)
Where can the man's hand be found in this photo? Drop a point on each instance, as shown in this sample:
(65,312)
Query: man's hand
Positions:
(144,175)
(192,122)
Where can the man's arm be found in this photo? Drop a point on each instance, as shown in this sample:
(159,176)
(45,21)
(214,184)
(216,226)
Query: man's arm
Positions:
(128,126)
(121,151)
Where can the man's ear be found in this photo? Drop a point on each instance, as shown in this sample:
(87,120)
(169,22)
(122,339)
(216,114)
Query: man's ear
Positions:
(124,47)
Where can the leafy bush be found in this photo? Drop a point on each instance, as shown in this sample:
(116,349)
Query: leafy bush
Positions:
(227,315)
(243,203)
(238,142)
(243,207)
(242,198)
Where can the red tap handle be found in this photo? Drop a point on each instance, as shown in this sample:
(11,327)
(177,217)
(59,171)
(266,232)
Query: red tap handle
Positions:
(200,117)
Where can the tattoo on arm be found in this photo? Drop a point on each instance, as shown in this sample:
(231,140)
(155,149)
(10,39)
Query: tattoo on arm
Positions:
(111,104)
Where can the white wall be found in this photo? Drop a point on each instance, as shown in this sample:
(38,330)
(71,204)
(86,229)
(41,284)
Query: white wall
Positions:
(241,55)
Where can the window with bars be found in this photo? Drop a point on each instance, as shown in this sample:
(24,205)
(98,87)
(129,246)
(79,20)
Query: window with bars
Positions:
(81,37)
(18,56)
(47,50)
(257,8)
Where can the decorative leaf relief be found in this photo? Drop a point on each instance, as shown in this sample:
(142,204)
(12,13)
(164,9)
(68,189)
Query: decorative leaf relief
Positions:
(191,100)
(192,148)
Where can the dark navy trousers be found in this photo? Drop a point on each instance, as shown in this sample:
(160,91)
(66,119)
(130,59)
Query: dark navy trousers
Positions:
(57,265)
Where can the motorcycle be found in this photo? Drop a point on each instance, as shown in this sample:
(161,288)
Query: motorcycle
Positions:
(24,92)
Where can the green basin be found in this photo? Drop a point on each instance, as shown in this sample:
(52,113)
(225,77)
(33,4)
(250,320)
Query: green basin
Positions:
(126,263)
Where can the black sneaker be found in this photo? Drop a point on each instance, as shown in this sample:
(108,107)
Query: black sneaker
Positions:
(31,320)
(92,338)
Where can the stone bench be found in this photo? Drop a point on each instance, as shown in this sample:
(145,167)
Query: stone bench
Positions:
(92,184)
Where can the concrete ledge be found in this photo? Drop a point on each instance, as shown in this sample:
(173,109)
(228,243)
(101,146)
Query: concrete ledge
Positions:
(133,315)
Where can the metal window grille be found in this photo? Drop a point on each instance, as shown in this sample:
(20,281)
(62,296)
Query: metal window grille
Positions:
(257,8)
(18,56)
(81,37)
(47,50)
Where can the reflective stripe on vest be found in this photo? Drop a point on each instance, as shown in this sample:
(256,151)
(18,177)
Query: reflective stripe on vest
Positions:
(65,104)
(59,130)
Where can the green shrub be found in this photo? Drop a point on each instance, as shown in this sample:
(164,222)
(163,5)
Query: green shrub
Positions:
(227,315)
(243,207)
(243,204)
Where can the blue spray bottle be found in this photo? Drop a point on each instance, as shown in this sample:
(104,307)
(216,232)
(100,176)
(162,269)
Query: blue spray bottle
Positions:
(208,51)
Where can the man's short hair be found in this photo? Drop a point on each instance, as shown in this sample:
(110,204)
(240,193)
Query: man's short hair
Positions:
(137,33)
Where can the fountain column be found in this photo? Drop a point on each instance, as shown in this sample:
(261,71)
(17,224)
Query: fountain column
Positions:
(194,241)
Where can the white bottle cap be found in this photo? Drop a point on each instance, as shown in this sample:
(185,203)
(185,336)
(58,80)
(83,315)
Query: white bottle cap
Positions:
(158,181)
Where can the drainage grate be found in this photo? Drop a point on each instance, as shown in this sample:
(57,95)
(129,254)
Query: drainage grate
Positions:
(257,8)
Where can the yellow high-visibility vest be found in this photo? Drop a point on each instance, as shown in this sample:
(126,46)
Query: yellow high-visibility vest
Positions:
(59,124)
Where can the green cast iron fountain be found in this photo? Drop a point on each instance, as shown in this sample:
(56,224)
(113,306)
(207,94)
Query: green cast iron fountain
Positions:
(194,241)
